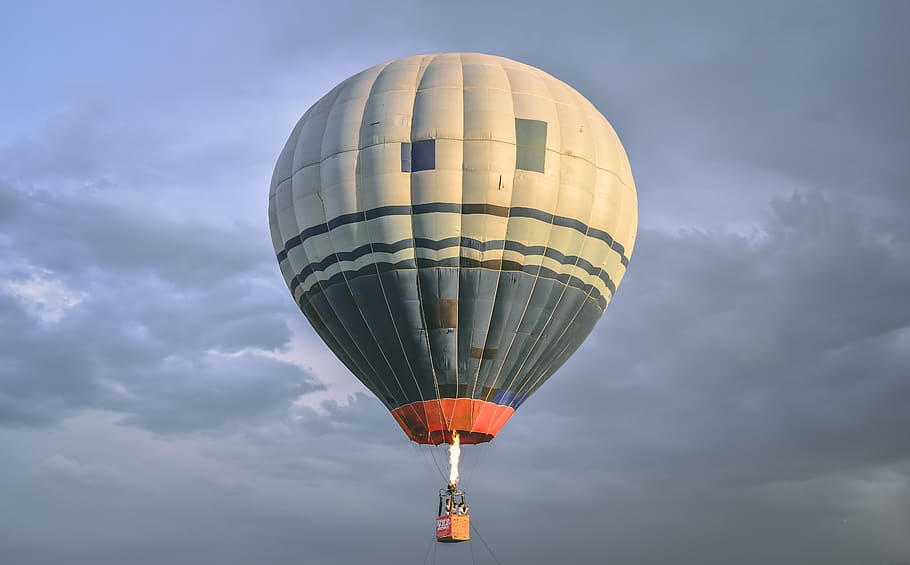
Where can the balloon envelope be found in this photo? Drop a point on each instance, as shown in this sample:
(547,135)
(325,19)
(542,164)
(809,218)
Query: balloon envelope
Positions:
(453,226)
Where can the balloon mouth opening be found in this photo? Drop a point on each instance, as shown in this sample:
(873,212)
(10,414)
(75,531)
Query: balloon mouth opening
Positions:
(464,437)
(432,422)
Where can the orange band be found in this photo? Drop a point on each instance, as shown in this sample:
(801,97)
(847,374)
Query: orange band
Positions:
(432,421)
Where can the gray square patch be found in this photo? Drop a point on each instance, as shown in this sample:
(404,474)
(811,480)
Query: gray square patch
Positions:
(531,144)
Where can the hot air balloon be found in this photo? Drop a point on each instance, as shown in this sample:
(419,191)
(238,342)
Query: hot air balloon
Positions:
(453,226)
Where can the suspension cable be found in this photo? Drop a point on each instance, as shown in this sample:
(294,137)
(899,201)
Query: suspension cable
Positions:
(479,451)
(438,468)
(483,541)
(426,555)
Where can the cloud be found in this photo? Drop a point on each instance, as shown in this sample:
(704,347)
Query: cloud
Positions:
(165,318)
(75,469)
(44,297)
(184,394)
(743,399)
(781,353)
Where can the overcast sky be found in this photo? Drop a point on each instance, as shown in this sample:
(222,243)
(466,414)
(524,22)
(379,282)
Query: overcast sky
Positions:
(162,400)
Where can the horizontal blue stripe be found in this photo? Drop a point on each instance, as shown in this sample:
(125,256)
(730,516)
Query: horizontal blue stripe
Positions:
(450,242)
(455,262)
(455,208)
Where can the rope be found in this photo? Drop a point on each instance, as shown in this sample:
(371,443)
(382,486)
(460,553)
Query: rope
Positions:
(438,468)
(426,555)
(478,454)
(424,458)
(483,541)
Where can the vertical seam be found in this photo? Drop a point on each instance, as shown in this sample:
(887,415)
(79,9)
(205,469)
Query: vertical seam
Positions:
(523,385)
(423,315)
(499,274)
(385,297)
(323,288)
(539,268)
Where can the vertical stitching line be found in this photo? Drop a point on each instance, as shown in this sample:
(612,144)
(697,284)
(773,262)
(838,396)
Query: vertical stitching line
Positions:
(549,322)
(420,74)
(373,379)
(536,276)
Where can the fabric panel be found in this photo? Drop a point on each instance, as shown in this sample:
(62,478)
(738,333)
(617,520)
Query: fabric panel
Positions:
(452,226)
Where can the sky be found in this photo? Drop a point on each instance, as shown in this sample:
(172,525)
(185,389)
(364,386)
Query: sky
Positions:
(162,400)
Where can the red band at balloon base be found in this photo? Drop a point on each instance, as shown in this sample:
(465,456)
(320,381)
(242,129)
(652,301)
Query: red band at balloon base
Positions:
(433,421)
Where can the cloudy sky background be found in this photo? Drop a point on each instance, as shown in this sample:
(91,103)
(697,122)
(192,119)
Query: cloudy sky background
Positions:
(163,401)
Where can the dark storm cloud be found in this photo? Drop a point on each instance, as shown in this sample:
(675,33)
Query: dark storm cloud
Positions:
(188,394)
(785,351)
(743,400)
(75,143)
(163,303)
(76,231)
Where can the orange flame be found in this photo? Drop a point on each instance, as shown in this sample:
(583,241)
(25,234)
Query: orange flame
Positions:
(454,456)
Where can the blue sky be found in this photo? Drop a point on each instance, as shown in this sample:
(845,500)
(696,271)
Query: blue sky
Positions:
(161,398)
